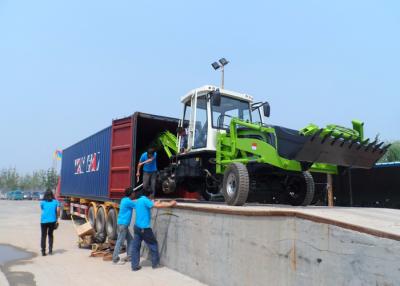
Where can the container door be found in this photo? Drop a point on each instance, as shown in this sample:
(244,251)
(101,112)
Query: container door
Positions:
(121,157)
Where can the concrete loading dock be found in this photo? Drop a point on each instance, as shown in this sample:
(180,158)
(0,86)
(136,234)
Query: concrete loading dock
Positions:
(274,245)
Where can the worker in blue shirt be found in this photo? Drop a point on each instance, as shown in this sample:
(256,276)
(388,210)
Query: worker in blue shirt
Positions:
(149,162)
(142,229)
(124,220)
(50,213)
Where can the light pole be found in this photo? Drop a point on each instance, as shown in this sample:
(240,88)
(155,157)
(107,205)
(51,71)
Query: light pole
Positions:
(222,63)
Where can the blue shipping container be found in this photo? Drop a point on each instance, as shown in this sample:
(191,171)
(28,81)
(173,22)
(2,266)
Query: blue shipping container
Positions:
(85,167)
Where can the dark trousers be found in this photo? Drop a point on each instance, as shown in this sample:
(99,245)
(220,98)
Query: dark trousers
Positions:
(47,230)
(149,183)
(147,235)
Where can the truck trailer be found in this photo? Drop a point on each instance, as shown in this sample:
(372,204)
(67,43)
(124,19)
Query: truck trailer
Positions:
(96,170)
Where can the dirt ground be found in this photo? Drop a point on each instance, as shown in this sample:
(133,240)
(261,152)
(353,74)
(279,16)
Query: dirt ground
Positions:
(69,265)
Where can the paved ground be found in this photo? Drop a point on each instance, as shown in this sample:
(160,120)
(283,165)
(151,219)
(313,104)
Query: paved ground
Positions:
(19,226)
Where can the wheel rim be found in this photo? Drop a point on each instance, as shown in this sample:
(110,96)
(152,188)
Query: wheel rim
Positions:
(231,185)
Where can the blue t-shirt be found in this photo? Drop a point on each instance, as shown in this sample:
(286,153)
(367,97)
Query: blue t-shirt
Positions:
(143,214)
(49,211)
(125,211)
(149,167)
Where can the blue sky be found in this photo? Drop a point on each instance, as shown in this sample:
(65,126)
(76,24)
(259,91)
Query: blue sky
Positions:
(67,68)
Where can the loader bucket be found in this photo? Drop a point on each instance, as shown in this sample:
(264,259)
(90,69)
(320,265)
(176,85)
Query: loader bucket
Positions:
(339,151)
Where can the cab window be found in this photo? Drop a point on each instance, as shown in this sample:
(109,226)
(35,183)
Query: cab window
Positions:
(201,124)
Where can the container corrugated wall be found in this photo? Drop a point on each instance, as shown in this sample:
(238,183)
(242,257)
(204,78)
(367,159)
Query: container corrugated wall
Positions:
(85,167)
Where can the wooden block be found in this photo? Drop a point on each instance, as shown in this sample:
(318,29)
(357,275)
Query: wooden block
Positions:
(107,257)
(84,229)
(98,253)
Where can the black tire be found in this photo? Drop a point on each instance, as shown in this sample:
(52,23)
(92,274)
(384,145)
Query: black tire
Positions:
(235,187)
(111,226)
(91,216)
(200,187)
(300,189)
(205,194)
(168,186)
(101,220)
(64,214)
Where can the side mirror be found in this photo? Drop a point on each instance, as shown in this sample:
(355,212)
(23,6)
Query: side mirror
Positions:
(216,97)
(266,109)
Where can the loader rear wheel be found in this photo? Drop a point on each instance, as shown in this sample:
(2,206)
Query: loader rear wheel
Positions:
(111,226)
(300,189)
(169,186)
(235,187)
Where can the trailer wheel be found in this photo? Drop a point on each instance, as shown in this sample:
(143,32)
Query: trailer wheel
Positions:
(91,216)
(111,226)
(101,220)
(64,214)
(235,187)
(300,189)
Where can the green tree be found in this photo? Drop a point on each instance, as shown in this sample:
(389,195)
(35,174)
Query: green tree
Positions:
(392,154)
(25,182)
(9,179)
(39,180)
(51,179)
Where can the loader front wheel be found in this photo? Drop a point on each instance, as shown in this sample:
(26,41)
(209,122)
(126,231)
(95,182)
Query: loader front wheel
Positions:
(235,187)
(300,189)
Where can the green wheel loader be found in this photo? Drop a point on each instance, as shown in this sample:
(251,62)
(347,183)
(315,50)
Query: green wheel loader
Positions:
(226,148)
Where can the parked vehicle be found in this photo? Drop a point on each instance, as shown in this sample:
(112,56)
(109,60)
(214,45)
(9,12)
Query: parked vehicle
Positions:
(3,195)
(17,196)
(27,195)
(9,195)
(35,196)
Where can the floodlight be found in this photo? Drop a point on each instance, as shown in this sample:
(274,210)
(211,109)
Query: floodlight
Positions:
(215,65)
(223,61)
(221,65)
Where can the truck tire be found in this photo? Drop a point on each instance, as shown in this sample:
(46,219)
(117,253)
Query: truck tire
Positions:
(300,189)
(91,216)
(64,214)
(235,187)
(101,220)
(111,226)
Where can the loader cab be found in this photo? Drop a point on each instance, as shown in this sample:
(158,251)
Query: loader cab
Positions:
(260,112)
(206,111)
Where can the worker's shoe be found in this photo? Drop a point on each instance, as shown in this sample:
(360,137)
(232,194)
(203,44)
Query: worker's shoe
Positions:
(119,262)
(157,266)
(137,268)
(43,252)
